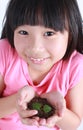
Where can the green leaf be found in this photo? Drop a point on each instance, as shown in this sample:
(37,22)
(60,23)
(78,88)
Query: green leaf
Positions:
(36,106)
(47,108)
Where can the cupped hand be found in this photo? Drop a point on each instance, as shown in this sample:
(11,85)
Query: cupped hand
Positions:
(23,97)
(55,98)
(58,102)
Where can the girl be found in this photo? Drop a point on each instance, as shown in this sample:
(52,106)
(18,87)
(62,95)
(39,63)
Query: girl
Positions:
(40,54)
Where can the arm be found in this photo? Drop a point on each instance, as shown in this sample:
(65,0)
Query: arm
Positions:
(74,111)
(7,104)
(72,115)
(68,118)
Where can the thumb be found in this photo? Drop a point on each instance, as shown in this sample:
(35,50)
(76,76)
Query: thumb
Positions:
(26,94)
(61,108)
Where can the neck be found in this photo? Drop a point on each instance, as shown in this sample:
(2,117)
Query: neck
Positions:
(36,76)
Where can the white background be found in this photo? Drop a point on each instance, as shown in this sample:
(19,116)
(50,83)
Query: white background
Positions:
(3,4)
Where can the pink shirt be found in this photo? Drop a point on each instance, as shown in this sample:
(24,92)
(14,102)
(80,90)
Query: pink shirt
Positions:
(63,76)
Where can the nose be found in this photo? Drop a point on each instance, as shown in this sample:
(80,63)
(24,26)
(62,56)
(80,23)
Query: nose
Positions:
(37,44)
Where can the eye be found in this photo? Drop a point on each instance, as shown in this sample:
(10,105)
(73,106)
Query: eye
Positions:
(49,33)
(22,32)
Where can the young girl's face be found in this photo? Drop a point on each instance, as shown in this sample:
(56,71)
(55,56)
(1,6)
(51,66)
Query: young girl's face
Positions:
(40,47)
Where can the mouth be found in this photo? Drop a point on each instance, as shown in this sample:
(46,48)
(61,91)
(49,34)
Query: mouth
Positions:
(38,60)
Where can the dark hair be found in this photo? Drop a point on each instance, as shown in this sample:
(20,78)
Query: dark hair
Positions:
(56,14)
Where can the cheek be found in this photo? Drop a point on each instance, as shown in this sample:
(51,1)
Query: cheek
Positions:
(18,43)
(61,48)
(18,46)
(58,50)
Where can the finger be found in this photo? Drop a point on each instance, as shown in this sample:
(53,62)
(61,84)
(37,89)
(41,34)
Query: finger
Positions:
(42,122)
(29,121)
(26,113)
(36,118)
(29,113)
(51,122)
(53,119)
(26,94)
(61,107)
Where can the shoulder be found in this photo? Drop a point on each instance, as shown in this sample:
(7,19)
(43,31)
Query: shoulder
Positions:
(5,48)
(74,63)
(75,68)
(7,55)
(77,56)
(76,60)
(4,43)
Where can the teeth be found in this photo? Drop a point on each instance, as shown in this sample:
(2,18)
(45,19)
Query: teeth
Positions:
(37,59)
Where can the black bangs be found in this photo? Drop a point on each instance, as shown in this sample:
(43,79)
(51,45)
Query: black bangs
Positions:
(55,14)
(38,12)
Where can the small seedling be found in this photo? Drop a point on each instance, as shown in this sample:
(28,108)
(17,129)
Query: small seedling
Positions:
(44,108)
(47,108)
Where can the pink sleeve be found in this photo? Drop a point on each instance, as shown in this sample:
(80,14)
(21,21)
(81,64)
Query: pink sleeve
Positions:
(76,70)
(4,56)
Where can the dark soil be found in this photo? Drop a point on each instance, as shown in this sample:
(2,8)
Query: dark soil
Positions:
(45,109)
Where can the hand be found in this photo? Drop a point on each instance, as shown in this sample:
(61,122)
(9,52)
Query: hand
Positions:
(24,96)
(57,100)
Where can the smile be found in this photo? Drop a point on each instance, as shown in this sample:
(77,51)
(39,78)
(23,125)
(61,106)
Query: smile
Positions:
(38,60)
